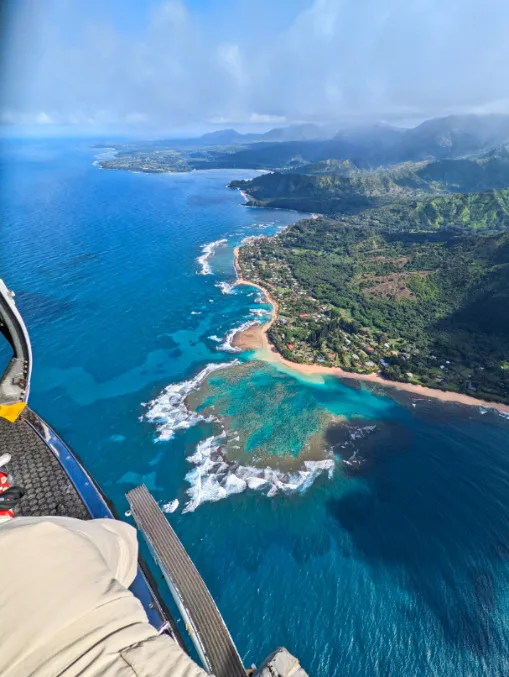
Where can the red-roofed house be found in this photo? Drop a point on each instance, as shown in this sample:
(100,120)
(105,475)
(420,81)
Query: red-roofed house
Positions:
(290,346)
(304,315)
(370,349)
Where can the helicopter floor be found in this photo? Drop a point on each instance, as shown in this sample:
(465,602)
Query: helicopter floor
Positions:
(34,467)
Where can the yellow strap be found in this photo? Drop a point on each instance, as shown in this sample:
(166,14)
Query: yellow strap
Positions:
(11,411)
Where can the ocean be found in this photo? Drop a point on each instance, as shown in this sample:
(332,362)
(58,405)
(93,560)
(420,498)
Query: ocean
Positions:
(388,554)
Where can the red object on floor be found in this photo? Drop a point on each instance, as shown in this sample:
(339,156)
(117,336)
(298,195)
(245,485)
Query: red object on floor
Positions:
(4,484)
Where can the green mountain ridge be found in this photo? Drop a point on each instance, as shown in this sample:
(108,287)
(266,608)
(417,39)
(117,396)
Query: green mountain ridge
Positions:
(485,212)
(330,192)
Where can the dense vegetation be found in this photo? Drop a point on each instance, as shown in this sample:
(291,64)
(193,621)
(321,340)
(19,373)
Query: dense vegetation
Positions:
(327,193)
(482,212)
(430,307)
(344,188)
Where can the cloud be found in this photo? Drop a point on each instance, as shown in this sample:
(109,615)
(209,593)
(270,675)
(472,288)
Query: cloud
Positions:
(263,118)
(250,119)
(43,118)
(170,63)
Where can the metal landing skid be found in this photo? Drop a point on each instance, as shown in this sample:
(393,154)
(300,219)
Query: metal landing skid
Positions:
(203,621)
(199,611)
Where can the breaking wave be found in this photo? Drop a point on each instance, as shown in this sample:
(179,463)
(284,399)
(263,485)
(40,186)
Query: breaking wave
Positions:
(207,251)
(259,312)
(486,409)
(227,345)
(214,477)
(226,287)
(169,412)
(171,506)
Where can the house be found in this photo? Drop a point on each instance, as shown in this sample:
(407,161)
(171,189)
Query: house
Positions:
(304,315)
(370,349)
(331,356)
(290,346)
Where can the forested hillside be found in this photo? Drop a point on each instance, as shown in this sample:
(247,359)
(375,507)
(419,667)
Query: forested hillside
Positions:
(328,193)
(342,187)
(429,307)
(486,212)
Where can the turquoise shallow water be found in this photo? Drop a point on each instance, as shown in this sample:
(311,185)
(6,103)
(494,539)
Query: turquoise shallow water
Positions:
(277,411)
(398,565)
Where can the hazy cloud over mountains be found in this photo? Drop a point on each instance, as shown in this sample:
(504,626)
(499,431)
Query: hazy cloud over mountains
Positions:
(172,63)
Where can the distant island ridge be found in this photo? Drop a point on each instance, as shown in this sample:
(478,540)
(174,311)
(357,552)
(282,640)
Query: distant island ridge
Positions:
(292,148)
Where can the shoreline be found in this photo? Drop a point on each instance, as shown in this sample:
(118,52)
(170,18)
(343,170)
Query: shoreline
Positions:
(245,195)
(259,340)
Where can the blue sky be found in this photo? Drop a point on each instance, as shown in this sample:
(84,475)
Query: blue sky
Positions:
(197,64)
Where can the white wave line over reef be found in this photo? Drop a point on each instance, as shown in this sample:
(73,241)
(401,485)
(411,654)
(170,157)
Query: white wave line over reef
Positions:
(207,251)
(169,412)
(213,476)
(227,345)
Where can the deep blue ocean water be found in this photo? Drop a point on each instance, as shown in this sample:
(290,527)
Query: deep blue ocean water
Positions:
(399,567)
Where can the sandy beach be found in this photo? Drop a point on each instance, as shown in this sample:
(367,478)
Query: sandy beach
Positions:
(255,338)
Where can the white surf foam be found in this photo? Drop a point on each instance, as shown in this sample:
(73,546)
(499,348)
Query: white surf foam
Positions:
(226,287)
(227,345)
(252,238)
(353,460)
(214,478)
(259,312)
(360,433)
(169,410)
(171,506)
(487,409)
(207,251)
